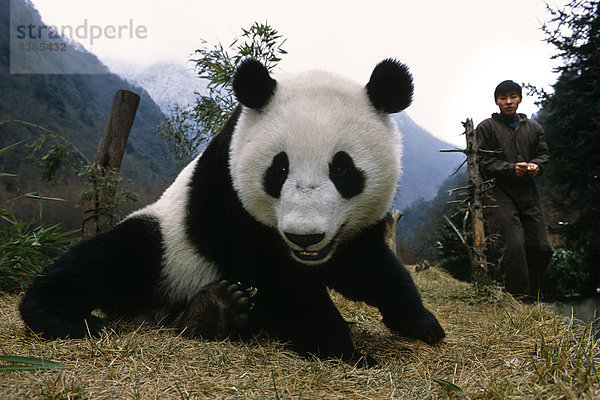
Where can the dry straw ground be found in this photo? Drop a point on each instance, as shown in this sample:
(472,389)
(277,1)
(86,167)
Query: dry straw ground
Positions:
(495,348)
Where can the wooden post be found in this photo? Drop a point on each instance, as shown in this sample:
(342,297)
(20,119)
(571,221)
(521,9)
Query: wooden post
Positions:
(478,257)
(475,246)
(108,158)
(391,222)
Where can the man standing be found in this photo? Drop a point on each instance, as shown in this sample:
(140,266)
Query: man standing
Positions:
(519,155)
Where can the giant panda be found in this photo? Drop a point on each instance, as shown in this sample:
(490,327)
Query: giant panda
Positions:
(286,201)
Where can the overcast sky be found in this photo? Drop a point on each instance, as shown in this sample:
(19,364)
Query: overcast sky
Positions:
(458,50)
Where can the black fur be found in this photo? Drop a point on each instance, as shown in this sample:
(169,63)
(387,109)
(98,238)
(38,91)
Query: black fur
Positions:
(252,84)
(210,231)
(348,179)
(218,311)
(119,273)
(276,175)
(390,88)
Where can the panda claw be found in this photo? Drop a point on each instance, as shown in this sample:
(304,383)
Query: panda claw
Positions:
(232,288)
(237,296)
(219,310)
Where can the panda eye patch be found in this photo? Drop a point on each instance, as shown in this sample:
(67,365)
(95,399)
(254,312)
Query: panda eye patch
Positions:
(347,178)
(276,175)
(338,171)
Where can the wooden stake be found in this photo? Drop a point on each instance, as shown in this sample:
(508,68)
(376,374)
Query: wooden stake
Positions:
(478,257)
(109,156)
(474,189)
(391,222)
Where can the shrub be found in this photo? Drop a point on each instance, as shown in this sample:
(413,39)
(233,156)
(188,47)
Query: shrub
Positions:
(564,276)
(26,248)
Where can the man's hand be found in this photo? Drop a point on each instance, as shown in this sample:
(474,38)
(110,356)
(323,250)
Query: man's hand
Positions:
(521,168)
(533,170)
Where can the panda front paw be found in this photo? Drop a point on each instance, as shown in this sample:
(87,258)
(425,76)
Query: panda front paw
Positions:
(219,310)
(424,327)
(237,303)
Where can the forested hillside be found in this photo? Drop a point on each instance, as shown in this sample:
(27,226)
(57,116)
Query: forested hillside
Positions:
(75,107)
(424,168)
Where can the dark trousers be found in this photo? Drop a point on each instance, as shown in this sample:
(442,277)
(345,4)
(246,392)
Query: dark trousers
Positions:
(525,251)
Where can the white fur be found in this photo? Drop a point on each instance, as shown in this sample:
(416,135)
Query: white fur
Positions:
(311,117)
(184,271)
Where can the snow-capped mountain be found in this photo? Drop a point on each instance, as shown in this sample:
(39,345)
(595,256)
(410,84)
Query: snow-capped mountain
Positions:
(168,83)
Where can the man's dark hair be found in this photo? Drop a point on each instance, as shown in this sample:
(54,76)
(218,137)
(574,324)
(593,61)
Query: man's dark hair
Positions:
(507,87)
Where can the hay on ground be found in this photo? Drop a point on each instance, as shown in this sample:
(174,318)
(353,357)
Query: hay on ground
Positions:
(495,348)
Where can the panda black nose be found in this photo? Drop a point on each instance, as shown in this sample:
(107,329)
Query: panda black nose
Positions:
(304,240)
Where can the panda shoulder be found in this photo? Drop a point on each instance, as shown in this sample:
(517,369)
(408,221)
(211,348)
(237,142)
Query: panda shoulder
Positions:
(172,203)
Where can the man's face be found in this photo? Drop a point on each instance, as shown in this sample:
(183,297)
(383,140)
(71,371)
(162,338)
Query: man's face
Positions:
(508,103)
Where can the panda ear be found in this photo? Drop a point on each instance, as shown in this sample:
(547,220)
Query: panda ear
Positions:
(390,88)
(252,84)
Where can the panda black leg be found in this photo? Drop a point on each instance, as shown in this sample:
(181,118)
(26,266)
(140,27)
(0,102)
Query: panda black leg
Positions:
(327,336)
(402,308)
(389,287)
(218,311)
(54,323)
(304,316)
(404,312)
(59,301)
(114,272)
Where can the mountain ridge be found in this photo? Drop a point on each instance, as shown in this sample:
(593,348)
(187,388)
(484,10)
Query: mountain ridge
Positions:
(168,83)
(77,105)
(424,167)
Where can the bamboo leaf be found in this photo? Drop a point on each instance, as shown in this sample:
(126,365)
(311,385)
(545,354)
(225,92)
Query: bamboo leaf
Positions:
(449,385)
(10,147)
(20,367)
(36,195)
(27,363)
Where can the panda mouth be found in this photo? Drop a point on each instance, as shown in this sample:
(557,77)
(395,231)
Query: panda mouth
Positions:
(314,255)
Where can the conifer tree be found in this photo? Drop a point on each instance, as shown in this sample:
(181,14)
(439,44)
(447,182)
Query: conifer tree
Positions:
(571,120)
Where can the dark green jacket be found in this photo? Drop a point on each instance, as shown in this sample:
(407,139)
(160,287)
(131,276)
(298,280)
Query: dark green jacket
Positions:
(525,143)
(517,215)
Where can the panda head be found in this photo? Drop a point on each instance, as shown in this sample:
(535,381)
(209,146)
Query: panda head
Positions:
(316,156)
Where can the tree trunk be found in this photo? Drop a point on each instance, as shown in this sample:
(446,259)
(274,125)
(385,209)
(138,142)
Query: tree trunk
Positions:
(478,257)
(391,222)
(108,158)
